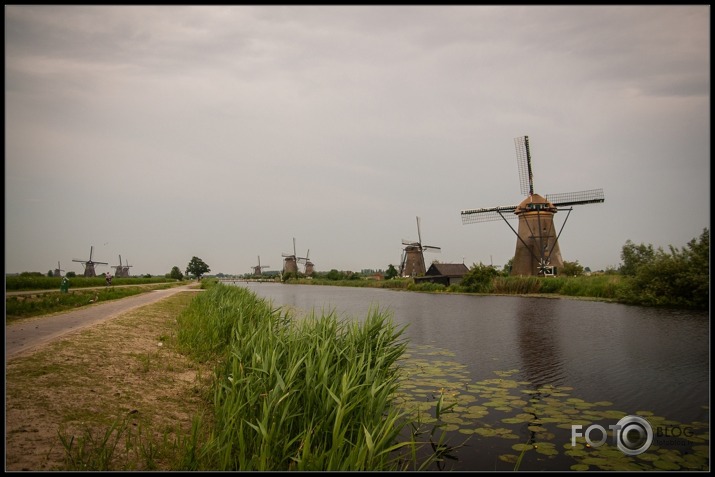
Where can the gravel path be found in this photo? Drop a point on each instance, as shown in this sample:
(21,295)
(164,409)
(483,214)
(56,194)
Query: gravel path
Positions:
(25,335)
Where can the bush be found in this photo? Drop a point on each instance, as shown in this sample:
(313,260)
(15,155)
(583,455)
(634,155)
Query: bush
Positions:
(479,279)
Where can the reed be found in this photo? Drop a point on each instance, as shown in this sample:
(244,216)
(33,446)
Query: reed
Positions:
(296,394)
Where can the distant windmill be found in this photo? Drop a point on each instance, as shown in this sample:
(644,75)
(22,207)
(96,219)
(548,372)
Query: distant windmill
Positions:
(308,264)
(89,264)
(537,247)
(118,269)
(58,270)
(125,268)
(258,269)
(290,264)
(413,259)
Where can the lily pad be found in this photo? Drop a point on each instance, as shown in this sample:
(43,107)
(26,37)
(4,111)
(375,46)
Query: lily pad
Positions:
(665,465)
(522,447)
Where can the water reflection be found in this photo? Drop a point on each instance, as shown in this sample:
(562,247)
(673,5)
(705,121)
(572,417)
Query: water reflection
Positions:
(537,332)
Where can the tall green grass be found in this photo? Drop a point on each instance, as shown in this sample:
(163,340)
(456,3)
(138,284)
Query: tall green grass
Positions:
(21,283)
(598,286)
(306,394)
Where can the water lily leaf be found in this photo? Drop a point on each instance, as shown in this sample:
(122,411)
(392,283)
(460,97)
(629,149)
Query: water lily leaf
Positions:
(536,428)
(522,447)
(514,420)
(665,465)
(485,431)
(594,461)
(547,450)
(648,457)
(508,458)
(578,467)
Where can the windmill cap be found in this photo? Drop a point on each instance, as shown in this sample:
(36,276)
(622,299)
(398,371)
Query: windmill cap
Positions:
(524,206)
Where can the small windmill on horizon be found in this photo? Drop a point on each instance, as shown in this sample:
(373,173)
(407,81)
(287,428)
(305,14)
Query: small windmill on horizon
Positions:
(58,271)
(258,269)
(412,263)
(290,264)
(308,270)
(537,245)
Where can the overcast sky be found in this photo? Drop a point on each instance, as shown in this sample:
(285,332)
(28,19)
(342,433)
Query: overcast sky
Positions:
(223,132)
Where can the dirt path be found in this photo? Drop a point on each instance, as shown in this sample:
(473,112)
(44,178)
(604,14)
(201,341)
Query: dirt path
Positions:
(75,375)
(27,334)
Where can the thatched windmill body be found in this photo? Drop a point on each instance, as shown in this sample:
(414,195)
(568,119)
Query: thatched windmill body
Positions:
(537,245)
(412,263)
(258,269)
(90,264)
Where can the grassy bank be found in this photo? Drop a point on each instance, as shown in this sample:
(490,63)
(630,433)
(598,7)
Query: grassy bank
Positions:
(32,282)
(266,391)
(309,394)
(29,305)
(609,287)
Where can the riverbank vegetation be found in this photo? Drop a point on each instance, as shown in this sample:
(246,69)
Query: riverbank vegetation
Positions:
(295,394)
(648,277)
(37,281)
(305,393)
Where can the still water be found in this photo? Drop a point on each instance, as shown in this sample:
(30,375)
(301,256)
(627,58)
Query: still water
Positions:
(626,359)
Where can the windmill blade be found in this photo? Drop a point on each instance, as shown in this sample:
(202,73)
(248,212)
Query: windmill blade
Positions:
(564,199)
(430,248)
(419,234)
(91,248)
(523,159)
(294,252)
(472,216)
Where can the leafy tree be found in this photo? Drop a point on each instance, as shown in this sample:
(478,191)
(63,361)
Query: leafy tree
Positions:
(197,267)
(70,274)
(176,273)
(680,277)
(50,273)
(391,272)
(634,256)
(572,269)
(506,271)
(479,278)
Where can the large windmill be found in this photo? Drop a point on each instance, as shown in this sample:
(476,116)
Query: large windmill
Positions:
(290,264)
(258,269)
(537,245)
(89,264)
(413,259)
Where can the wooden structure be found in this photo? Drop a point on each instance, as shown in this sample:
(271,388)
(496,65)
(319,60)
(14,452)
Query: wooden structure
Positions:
(444,273)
